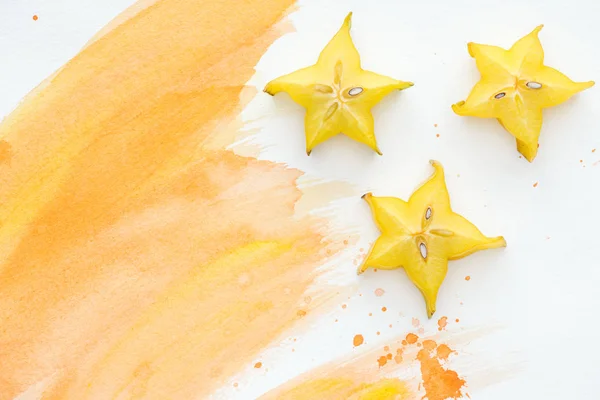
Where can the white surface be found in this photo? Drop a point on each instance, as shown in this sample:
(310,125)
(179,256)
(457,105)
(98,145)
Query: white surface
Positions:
(539,291)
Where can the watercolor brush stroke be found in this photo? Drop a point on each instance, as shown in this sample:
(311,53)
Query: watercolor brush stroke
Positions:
(138,258)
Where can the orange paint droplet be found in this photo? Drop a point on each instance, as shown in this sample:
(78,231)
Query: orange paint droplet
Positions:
(386,348)
(429,345)
(389,356)
(404,343)
(379,292)
(444,351)
(438,135)
(580,161)
(301,313)
(345,242)
(442,323)
(293,350)
(535,184)
(415,322)
(358,340)
(457,320)
(344,306)
(439,383)
(378,333)
(382,361)
(361,250)
(258,365)
(374,269)
(398,359)
(411,338)
(383,309)
(435,125)
(370,314)
(390,325)
(467,278)
(35,17)
(593,150)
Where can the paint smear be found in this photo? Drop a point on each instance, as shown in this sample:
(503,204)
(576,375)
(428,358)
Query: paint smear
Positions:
(345,388)
(137,258)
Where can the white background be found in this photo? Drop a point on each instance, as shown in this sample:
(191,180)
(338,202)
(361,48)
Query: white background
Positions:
(539,293)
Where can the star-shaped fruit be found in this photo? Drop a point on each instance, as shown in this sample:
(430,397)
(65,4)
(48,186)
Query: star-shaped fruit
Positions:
(515,86)
(422,234)
(337,93)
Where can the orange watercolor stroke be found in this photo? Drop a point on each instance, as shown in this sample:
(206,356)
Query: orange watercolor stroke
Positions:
(138,258)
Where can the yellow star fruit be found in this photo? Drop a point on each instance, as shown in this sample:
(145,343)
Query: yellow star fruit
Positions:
(515,86)
(337,93)
(422,234)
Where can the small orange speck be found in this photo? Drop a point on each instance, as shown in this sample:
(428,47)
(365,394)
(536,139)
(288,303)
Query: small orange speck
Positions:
(336,320)
(370,314)
(378,333)
(538,145)
(293,350)
(398,359)
(461,303)
(295,339)
(379,292)
(467,278)
(344,306)
(457,320)
(442,322)
(382,361)
(389,356)
(520,156)
(258,365)
(580,161)
(235,384)
(358,340)
(390,325)
(35,17)
(404,343)
(593,150)
(301,313)
(411,338)
(384,309)
(535,184)
(361,250)
(345,242)
(374,269)
(438,135)
(435,125)
(386,348)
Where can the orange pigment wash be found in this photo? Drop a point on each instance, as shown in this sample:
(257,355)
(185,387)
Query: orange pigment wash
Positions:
(138,259)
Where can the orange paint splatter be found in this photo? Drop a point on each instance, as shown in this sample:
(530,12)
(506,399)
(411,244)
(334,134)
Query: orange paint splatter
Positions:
(442,323)
(384,309)
(379,292)
(386,348)
(593,150)
(344,306)
(345,242)
(370,314)
(439,383)
(411,338)
(457,320)
(35,18)
(467,278)
(429,345)
(382,361)
(398,359)
(435,125)
(301,313)
(378,333)
(358,340)
(438,135)
(535,184)
(443,351)
(404,343)
(258,365)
